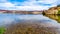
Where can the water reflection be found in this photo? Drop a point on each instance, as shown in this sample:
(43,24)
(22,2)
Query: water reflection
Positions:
(15,18)
(54,17)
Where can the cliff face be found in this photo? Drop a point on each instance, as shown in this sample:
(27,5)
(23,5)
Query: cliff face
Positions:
(53,10)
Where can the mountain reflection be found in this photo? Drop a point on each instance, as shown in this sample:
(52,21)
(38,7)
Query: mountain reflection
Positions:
(54,17)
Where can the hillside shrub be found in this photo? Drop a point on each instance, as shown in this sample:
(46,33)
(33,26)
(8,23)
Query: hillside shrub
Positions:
(2,30)
(58,11)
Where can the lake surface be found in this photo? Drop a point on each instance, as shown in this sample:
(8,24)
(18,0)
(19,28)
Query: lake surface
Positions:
(54,17)
(44,20)
(9,18)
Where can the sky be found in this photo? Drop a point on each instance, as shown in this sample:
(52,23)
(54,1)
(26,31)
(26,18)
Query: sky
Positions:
(28,4)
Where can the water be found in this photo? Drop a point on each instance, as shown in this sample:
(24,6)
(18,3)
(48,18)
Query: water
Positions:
(9,18)
(44,20)
(54,17)
(52,21)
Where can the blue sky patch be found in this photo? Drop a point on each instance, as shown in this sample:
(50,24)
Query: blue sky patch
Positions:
(17,0)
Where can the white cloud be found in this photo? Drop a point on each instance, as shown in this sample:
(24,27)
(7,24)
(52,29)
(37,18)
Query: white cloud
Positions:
(27,5)
(33,2)
(31,7)
(7,4)
(47,1)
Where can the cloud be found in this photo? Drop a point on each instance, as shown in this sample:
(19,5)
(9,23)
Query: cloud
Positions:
(31,7)
(47,1)
(28,4)
(6,4)
(38,3)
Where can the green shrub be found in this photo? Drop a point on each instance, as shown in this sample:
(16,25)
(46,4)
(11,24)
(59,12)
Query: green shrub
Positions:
(58,11)
(2,30)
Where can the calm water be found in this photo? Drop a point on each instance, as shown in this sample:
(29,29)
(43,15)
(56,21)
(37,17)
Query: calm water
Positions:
(46,20)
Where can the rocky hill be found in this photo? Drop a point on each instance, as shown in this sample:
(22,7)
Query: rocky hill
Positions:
(53,10)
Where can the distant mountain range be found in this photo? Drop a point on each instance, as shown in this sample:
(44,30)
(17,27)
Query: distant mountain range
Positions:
(21,12)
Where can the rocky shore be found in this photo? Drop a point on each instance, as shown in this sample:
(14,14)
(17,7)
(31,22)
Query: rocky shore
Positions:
(30,28)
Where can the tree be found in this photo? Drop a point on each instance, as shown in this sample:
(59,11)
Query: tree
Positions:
(43,13)
(2,30)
